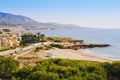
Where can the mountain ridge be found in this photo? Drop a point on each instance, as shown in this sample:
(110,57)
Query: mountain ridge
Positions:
(8,19)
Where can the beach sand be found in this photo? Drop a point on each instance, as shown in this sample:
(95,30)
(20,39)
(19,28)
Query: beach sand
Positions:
(72,54)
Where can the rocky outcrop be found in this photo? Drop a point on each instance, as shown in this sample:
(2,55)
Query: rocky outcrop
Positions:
(84,46)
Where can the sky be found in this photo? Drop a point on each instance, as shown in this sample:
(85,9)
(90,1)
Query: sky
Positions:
(85,13)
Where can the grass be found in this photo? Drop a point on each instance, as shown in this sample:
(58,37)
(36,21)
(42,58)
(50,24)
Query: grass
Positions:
(23,45)
(43,48)
(57,46)
(7,48)
(59,39)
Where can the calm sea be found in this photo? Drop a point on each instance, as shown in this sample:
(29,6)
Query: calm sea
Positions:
(107,36)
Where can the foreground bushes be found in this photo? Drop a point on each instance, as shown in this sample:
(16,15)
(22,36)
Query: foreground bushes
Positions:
(60,69)
(113,71)
(7,67)
(64,69)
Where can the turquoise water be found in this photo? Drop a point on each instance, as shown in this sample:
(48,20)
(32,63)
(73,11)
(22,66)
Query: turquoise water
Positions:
(107,36)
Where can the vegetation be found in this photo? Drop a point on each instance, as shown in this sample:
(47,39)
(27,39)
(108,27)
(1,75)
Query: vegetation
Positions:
(7,67)
(31,38)
(59,39)
(22,44)
(35,38)
(113,70)
(59,69)
(64,69)
(6,48)
(55,39)
(43,48)
(57,45)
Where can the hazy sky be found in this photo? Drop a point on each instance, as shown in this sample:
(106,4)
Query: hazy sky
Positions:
(88,13)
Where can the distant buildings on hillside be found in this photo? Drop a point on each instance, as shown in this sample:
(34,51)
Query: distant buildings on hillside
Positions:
(10,36)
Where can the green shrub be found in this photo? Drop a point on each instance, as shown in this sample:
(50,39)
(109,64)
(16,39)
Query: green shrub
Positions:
(13,47)
(113,70)
(64,69)
(55,39)
(57,46)
(48,47)
(5,49)
(43,48)
(59,69)
(7,67)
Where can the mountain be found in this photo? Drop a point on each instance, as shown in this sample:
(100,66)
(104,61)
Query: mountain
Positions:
(7,19)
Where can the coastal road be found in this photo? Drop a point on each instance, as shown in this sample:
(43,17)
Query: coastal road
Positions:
(8,52)
(20,50)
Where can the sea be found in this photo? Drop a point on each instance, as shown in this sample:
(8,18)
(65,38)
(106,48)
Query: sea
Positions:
(104,36)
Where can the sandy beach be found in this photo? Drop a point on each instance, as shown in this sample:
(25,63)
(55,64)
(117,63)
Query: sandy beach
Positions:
(72,54)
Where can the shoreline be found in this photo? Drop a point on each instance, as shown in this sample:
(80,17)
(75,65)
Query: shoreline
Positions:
(72,54)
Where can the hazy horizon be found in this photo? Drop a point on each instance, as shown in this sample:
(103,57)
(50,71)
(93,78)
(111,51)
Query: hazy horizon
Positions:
(85,13)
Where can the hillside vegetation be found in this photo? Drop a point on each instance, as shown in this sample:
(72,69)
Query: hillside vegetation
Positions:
(60,69)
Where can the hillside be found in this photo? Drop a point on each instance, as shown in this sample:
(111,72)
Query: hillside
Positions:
(7,19)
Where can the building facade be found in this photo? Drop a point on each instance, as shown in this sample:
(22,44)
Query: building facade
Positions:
(9,37)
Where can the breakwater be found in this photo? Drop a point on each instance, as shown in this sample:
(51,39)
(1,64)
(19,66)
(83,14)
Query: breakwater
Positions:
(84,46)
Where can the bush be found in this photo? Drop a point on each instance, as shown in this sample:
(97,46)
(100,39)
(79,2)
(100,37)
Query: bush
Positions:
(57,46)
(13,47)
(48,47)
(55,39)
(8,48)
(43,48)
(7,66)
(23,44)
(59,69)
(64,69)
(113,71)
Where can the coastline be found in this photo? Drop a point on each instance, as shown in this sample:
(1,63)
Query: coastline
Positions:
(101,36)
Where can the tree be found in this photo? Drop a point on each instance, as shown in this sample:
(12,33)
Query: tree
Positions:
(7,66)
(42,37)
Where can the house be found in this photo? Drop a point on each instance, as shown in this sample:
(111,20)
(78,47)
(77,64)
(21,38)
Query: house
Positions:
(4,42)
(14,41)
(9,37)
(8,42)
